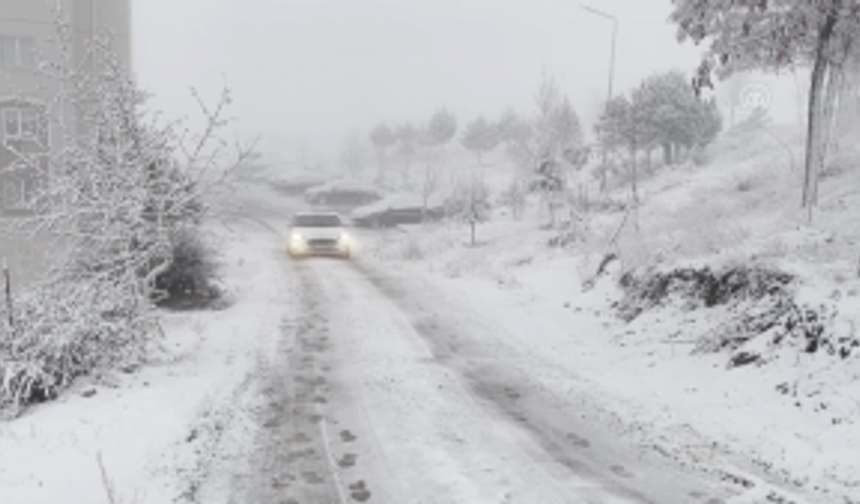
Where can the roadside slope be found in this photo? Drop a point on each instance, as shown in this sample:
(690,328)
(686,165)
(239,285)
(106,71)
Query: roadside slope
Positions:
(738,209)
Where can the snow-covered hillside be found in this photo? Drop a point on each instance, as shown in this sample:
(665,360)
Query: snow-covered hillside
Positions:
(702,383)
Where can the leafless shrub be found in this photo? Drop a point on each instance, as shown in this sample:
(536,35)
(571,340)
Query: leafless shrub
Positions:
(470,203)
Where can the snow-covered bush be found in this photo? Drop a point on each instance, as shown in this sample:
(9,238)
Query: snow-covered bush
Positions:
(698,287)
(68,328)
(761,304)
(189,281)
(117,195)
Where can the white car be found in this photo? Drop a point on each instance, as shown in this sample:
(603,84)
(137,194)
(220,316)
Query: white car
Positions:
(318,233)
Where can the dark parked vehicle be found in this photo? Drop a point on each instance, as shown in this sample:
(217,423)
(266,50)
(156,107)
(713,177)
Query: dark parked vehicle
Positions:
(295,184)
(398,210)
(342,193)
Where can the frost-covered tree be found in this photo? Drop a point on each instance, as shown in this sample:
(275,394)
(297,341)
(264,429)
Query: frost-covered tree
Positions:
(117,195)
(556,151)
(669,114)
(480,136)
(353,155)
(515,198)
(470,202)
(436,134)
(620,128)
(513,129)
(407,145)
(615,125)
(383,138)
(564,128)
(775,35)
(430,183)
(440,129)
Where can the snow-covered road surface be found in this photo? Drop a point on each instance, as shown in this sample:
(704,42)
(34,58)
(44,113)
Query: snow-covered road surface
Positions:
(386,389)
(382,391)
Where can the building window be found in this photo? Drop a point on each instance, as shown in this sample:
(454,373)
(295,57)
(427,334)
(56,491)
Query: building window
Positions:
(21,124)
(15,194)
(17,52)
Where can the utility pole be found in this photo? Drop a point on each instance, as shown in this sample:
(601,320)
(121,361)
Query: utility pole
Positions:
(614,20)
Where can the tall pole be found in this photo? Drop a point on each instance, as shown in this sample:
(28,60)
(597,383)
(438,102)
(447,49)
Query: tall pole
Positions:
(612,55)
(614,20)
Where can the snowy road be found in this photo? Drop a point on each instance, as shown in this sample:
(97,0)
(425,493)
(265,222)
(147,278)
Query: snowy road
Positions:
(384,391)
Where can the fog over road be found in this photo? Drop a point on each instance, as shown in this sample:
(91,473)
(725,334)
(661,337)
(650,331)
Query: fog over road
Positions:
(384,389)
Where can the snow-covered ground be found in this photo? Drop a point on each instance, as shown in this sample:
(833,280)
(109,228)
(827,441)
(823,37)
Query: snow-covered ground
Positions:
(794,420)
(133,435)
(432,371)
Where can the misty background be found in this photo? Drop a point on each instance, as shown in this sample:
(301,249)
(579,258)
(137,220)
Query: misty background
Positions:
(309,72)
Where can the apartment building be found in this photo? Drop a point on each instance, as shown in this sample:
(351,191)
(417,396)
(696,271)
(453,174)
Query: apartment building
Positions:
(28,36)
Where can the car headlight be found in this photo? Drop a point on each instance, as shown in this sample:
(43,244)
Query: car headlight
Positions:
(295,237)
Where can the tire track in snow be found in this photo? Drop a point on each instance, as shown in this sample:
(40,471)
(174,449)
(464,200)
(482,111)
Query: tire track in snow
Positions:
(504,390)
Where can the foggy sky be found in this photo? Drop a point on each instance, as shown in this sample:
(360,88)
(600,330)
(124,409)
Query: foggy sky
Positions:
(317,69)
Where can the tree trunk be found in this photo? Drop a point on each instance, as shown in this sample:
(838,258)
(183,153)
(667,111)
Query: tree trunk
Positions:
(815,116)
(381,173)
(633,174)
(407,168)
(604,177)
(472,223)
(667,154)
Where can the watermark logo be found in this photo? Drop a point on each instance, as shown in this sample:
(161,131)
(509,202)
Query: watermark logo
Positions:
(754,96)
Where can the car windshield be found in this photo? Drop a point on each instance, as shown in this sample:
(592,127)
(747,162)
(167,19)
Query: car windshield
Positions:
(317,220)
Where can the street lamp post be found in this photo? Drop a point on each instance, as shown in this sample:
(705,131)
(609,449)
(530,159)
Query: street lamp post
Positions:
(614,20)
